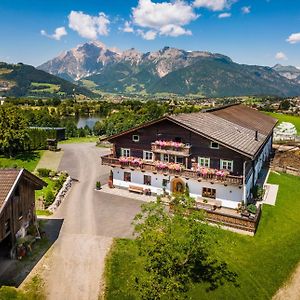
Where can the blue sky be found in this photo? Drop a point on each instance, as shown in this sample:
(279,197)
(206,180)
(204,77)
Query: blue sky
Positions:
(263,32)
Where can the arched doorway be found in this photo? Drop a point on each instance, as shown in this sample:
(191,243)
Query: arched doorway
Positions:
(178,185)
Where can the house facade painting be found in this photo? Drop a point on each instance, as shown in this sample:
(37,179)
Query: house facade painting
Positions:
(218,154)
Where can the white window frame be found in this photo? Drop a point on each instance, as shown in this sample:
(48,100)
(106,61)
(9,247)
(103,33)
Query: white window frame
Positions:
(146,153)
(204,162)
(125,152)
(211,143)
(224,165)
(135,140)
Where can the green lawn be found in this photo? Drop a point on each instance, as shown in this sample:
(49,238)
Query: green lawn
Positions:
(27,160)
(75,140)
(287,118)
(263,262)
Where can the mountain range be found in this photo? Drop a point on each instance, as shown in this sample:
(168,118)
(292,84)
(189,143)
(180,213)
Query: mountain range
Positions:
(289,72)
(18,80)
(169,70)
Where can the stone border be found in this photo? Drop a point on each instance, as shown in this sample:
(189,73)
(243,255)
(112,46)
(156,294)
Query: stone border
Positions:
(61,195)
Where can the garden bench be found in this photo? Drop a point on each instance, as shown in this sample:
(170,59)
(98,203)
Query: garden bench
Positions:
(136,189)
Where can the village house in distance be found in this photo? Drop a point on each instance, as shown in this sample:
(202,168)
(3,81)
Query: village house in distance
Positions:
(218,154)
(17,206)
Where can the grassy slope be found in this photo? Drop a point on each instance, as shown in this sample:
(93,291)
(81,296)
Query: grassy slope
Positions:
(87,139)
(263,262)
(287,118)
(27,160)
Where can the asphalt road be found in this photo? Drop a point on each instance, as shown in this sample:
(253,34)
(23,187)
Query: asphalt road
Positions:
(91,220)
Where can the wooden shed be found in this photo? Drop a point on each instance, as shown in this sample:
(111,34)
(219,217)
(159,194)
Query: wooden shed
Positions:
(17,204)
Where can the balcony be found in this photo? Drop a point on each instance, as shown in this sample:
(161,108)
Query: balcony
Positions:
(162,168)
(169,147)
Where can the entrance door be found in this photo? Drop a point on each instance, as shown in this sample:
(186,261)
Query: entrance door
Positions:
(178,185)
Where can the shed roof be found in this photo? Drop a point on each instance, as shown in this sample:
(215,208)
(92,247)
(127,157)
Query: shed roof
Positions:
(9,178)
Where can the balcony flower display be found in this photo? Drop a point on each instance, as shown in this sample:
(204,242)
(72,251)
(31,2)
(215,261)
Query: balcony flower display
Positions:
(123,160)
(161,165)
(175,167)
(136,162)
(172,144)
(132,161)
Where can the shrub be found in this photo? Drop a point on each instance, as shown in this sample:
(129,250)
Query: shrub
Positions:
(98,185)
(49,198)
(43,172)
(252,208)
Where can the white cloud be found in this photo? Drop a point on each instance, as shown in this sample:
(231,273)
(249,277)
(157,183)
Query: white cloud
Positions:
(246,10)
(57,35)
(281,56)
(89,26)
(294,38)
(148,35)
(128,27)
(215,5)
(224,15)
(165,18)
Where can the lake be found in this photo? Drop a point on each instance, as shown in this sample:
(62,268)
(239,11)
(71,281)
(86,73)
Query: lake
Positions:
(89,121)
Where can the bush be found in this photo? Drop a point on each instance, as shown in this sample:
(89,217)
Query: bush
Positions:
(98,185)
(43,172)
(252,208)
(49,198)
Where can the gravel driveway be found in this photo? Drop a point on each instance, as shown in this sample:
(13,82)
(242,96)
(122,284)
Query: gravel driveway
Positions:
(91,220)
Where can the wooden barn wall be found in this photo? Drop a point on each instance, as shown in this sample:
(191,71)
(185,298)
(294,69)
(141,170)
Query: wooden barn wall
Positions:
(18,208)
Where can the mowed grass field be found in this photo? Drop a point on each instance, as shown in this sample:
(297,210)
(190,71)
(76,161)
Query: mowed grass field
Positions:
(27,160)
(286,118)
(263,262)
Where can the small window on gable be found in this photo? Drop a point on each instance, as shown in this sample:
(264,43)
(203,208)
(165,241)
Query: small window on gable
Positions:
(214,145)
(135,137)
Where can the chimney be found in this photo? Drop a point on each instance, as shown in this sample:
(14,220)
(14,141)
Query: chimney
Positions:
(256,135)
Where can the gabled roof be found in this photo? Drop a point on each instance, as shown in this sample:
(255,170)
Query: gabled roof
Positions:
(9,178)
(237,127)
(231,135)
(247,117)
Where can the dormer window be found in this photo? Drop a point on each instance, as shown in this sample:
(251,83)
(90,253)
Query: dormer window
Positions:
(136,138)
(214,145)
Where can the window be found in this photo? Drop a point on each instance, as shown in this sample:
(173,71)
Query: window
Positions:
(7,226)
(136,138)
(125,152)
(165,182)
(209,193)
(147,179)
(127,176)
(204,162)
(226,165)
(147,155)
(164,157)
(214,145)
(179,159)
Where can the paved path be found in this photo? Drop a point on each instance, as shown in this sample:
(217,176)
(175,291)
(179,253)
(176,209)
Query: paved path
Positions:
(50,160)
(270,194)
(91,220)
(291,290)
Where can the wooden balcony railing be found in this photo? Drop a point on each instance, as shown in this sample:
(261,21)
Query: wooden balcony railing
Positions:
(180,151)
(109,160)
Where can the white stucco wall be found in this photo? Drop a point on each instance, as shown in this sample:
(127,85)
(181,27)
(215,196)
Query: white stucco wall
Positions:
(230,195)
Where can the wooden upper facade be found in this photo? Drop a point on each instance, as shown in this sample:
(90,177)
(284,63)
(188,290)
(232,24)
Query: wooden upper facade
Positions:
(207,140)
